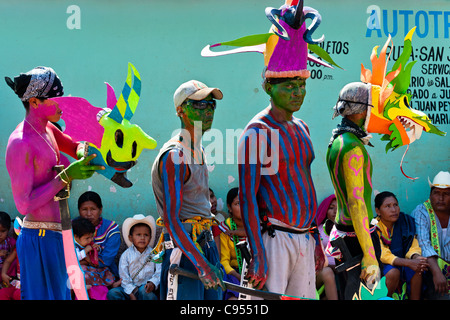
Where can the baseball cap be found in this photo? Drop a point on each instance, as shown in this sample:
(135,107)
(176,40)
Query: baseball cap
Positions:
(194,90)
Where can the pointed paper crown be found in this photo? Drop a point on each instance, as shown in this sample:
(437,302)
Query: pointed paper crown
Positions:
(286,46)
(286,53)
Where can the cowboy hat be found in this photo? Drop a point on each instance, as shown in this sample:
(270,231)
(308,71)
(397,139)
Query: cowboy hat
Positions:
(138,218)
(441,180)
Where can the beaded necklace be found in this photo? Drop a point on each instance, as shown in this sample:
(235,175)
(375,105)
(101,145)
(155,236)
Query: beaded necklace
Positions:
(51,147)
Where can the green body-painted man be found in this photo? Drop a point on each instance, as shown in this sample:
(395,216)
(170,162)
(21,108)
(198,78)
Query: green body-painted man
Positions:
(378,104)
(350,169)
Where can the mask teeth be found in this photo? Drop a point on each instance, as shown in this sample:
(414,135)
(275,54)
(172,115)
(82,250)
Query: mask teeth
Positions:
(415,129)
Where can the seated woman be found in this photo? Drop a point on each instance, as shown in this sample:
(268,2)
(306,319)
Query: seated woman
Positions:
(401,254)
(106,238)
(233,232)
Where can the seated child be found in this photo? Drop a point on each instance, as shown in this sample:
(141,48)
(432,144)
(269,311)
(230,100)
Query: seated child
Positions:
(9,266)
(400,251)
(140,276)
(7,243)
(11,285)
(233,232)
(83,231)
(97,278)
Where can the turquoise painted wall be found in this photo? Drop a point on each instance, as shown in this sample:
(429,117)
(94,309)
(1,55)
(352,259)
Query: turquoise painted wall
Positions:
(163,39)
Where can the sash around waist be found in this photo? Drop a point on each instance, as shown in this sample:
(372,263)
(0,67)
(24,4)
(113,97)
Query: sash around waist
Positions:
(55,226)
(277,223)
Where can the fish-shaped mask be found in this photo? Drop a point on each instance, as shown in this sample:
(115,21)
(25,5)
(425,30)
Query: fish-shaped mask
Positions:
(117,142)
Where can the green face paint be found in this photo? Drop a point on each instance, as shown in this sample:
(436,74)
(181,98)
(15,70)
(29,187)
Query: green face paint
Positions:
(288,95)
(205,116)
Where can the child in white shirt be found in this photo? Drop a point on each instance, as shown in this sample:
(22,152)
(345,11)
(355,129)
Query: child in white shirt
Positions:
(140,276)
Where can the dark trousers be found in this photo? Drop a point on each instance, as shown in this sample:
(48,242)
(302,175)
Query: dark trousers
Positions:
(349,281)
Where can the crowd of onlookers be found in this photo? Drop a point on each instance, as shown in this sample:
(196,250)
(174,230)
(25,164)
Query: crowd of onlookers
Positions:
(117,261)
(415,247)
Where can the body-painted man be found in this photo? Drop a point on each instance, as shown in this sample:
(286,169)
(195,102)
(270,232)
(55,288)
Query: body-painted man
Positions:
(350,169)
(379,104)
(275,155)
(276,189)
(180,185)
(32,152)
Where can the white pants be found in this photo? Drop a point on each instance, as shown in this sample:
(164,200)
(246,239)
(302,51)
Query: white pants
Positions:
(290,259)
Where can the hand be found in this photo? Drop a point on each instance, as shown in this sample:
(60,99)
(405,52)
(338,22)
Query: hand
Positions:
(87,248)
(149,287)
(229,233)
(212,278)
(6,279)
(418,264)
(80,169)
(370,271)
(240,232)
(236,274)
(440,283)
(88,261)
(256,276)
(84,262)
(3,253)
(117,283)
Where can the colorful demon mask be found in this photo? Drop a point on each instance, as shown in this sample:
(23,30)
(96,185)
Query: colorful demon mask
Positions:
(109,133)
(384,95)
(286,46)
(391,114)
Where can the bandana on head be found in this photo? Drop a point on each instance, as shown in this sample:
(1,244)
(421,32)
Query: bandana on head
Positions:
(40,82)
(354,98)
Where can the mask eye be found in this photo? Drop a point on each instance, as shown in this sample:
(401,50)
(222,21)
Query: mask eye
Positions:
(405,100)
(119,138)
(133,149)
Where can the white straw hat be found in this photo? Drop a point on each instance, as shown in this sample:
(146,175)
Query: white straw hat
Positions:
(138,218)
(441,180)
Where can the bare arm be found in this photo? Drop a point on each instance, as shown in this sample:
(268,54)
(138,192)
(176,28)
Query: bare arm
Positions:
(353,167)
(173,172)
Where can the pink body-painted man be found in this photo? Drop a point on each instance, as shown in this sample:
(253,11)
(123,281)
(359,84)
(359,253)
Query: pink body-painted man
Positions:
(32,152)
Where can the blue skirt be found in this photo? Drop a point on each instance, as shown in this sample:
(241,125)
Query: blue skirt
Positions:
(43,274)
(406,275)
(227,294)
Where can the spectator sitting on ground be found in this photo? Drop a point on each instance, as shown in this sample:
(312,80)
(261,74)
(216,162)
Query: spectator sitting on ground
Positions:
(140,276)
(434,236)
